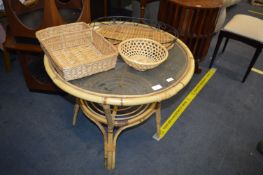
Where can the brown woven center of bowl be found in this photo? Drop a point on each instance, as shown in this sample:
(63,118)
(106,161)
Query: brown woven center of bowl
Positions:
(141,59)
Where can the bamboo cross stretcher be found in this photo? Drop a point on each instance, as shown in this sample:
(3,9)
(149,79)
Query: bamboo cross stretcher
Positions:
(111,128)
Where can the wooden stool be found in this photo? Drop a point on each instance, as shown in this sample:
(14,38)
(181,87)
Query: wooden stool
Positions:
(246,29)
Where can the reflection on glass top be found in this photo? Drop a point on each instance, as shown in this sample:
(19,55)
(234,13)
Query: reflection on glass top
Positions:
(34,19)
(125,80)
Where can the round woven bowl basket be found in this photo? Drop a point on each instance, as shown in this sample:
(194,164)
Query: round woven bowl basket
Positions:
(142,54)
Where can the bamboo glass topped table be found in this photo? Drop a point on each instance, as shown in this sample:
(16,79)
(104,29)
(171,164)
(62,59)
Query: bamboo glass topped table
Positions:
(124,97)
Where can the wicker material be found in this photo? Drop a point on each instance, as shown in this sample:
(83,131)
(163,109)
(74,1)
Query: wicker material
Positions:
(118,32)
(142,54)
(77,51)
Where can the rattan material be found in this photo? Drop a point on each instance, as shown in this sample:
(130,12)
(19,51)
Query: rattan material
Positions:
(77,51)
(118,31)
(142,54)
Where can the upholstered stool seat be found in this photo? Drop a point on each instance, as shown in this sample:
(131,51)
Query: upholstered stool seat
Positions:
(246,29)
(246,26)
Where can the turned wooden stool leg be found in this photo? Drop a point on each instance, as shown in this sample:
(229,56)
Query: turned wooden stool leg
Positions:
(76,111)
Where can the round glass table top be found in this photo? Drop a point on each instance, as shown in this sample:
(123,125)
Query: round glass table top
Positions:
(124,85)
(125,80)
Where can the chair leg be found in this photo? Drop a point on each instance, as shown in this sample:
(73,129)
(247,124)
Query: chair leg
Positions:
(219,40)
(142,8)
(105,2)
(7,62)
(260,147)
(226,42)
(253,61)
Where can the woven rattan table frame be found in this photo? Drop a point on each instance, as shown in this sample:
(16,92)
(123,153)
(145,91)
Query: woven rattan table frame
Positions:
(108,124)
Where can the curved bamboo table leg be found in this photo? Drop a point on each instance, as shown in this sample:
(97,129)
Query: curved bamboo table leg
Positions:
(76,111)
(110,146)
(158,118)
(111,132)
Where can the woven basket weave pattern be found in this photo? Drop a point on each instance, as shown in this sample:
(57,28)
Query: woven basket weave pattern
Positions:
(77,51)
(142,54)
(121,32)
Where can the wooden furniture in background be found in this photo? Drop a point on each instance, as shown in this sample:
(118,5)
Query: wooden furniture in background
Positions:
(195,21)
(6,58)
(7,62)
(24,21)
(105,3)
(143,5)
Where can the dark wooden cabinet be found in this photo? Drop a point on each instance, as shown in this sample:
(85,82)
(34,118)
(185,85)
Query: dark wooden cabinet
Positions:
(195,21)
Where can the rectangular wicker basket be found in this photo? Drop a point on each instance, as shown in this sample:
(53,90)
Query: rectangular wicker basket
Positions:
(76,51)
